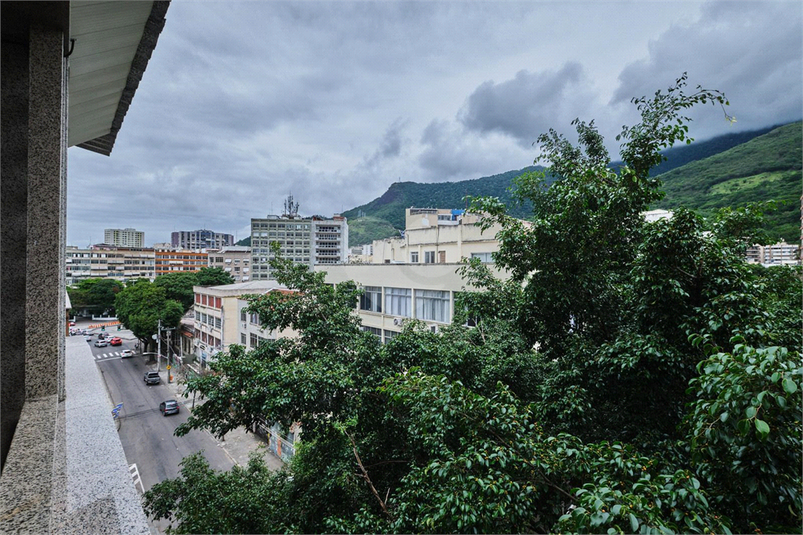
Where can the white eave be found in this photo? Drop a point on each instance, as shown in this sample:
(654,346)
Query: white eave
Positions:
(111,45)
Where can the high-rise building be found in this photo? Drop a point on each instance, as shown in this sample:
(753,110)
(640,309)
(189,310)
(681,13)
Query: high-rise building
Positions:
(309,241)
(200,239)
(124,237)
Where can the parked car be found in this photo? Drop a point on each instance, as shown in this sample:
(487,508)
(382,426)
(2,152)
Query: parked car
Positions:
(126,353)
(116,341)
(101,343)
(168,407)
(72,324)
(88,338)
(152,378)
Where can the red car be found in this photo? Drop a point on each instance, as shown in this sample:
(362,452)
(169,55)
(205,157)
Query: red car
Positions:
(116,341)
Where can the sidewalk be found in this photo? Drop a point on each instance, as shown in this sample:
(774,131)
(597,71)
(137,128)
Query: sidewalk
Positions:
(237,444)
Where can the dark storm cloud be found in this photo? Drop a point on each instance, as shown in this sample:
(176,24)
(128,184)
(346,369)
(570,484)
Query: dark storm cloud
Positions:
(528,104)
(750,51)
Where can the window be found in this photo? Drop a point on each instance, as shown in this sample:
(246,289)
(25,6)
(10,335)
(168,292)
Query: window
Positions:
(254,341)
(372,299)
(254,318)
(373,330)
(485,258)
(242,338)
(397,301)
(217,323)
(389,335)
(243,315)
(429,257)
(414,257)
(432,305)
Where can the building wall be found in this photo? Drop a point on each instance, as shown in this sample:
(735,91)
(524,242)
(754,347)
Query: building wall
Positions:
(236,261)
(418,279)
(778,254)
(437,236)
(201,239)
(182,261)
(127,237)
(118,264)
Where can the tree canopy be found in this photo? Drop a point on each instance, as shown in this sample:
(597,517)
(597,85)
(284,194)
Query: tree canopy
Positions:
(94,295)
(629,377)
(178,286)
(142,304)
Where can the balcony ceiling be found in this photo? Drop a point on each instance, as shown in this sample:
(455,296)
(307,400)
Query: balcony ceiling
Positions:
(113,42)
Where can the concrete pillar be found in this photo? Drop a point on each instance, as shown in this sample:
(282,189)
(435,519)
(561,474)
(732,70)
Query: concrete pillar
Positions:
(13,237)
(47,145)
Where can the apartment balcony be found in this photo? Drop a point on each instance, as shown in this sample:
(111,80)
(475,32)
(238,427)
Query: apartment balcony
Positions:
(66,471)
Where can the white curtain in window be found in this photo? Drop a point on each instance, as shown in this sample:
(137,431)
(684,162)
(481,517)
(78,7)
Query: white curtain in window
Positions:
(398,301)
(432,305)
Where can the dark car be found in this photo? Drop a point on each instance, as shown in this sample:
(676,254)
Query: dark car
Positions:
(152,378)
(168,407)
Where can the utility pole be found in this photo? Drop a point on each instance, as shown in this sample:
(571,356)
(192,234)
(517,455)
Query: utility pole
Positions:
(159,348)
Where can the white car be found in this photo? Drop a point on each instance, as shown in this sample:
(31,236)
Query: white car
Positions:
(101,343)
(126,353)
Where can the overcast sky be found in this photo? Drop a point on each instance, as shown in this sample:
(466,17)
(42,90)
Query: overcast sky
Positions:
(245,102)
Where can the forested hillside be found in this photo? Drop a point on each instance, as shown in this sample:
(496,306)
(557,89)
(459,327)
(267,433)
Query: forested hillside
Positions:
(728,170)
(765,168)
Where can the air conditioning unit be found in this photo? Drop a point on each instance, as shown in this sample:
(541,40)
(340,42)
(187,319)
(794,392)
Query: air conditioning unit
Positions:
(398,321)
(433,328)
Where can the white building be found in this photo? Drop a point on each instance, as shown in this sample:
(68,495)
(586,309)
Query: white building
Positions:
(307,241)
(436,236)
(102,262)
(218,318)
(781,253)
(395,293)
(234,260)
(124,237)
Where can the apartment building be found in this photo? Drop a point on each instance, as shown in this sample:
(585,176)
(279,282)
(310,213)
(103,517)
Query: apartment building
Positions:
(220,319)
(437,236)
(781,253)
(179,261)
(310,241)
(124,237)
(195,240)
(101,261)
(234,260)
(398,292)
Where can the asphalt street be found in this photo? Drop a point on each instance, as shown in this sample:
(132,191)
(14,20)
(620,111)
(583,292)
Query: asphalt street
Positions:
(146,435)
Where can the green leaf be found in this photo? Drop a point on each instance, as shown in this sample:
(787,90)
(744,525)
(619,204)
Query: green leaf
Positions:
(750,412)
(762,427)
(789,386)
(723,417)
(633,522)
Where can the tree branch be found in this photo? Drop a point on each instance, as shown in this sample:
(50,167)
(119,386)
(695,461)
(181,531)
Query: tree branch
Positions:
(368,479)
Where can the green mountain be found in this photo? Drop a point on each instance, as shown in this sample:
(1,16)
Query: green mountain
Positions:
(245,241)
(767,167)
(391,205)
(727,170)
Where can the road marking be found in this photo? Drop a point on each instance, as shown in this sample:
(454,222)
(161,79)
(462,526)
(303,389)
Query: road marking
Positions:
(135,477)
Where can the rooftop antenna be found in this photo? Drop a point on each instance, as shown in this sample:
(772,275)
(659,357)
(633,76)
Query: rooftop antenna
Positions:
(290,207)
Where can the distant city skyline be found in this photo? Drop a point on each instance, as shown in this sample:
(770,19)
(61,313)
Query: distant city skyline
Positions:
(244,103)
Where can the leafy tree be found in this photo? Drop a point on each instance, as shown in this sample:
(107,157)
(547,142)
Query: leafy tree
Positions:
(628,377)
(95,295)
(142,304)
(178,287)
(209,276)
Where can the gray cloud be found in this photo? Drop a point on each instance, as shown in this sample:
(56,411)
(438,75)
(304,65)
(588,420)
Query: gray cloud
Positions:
(528,104)
(244,102)
(751,51)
